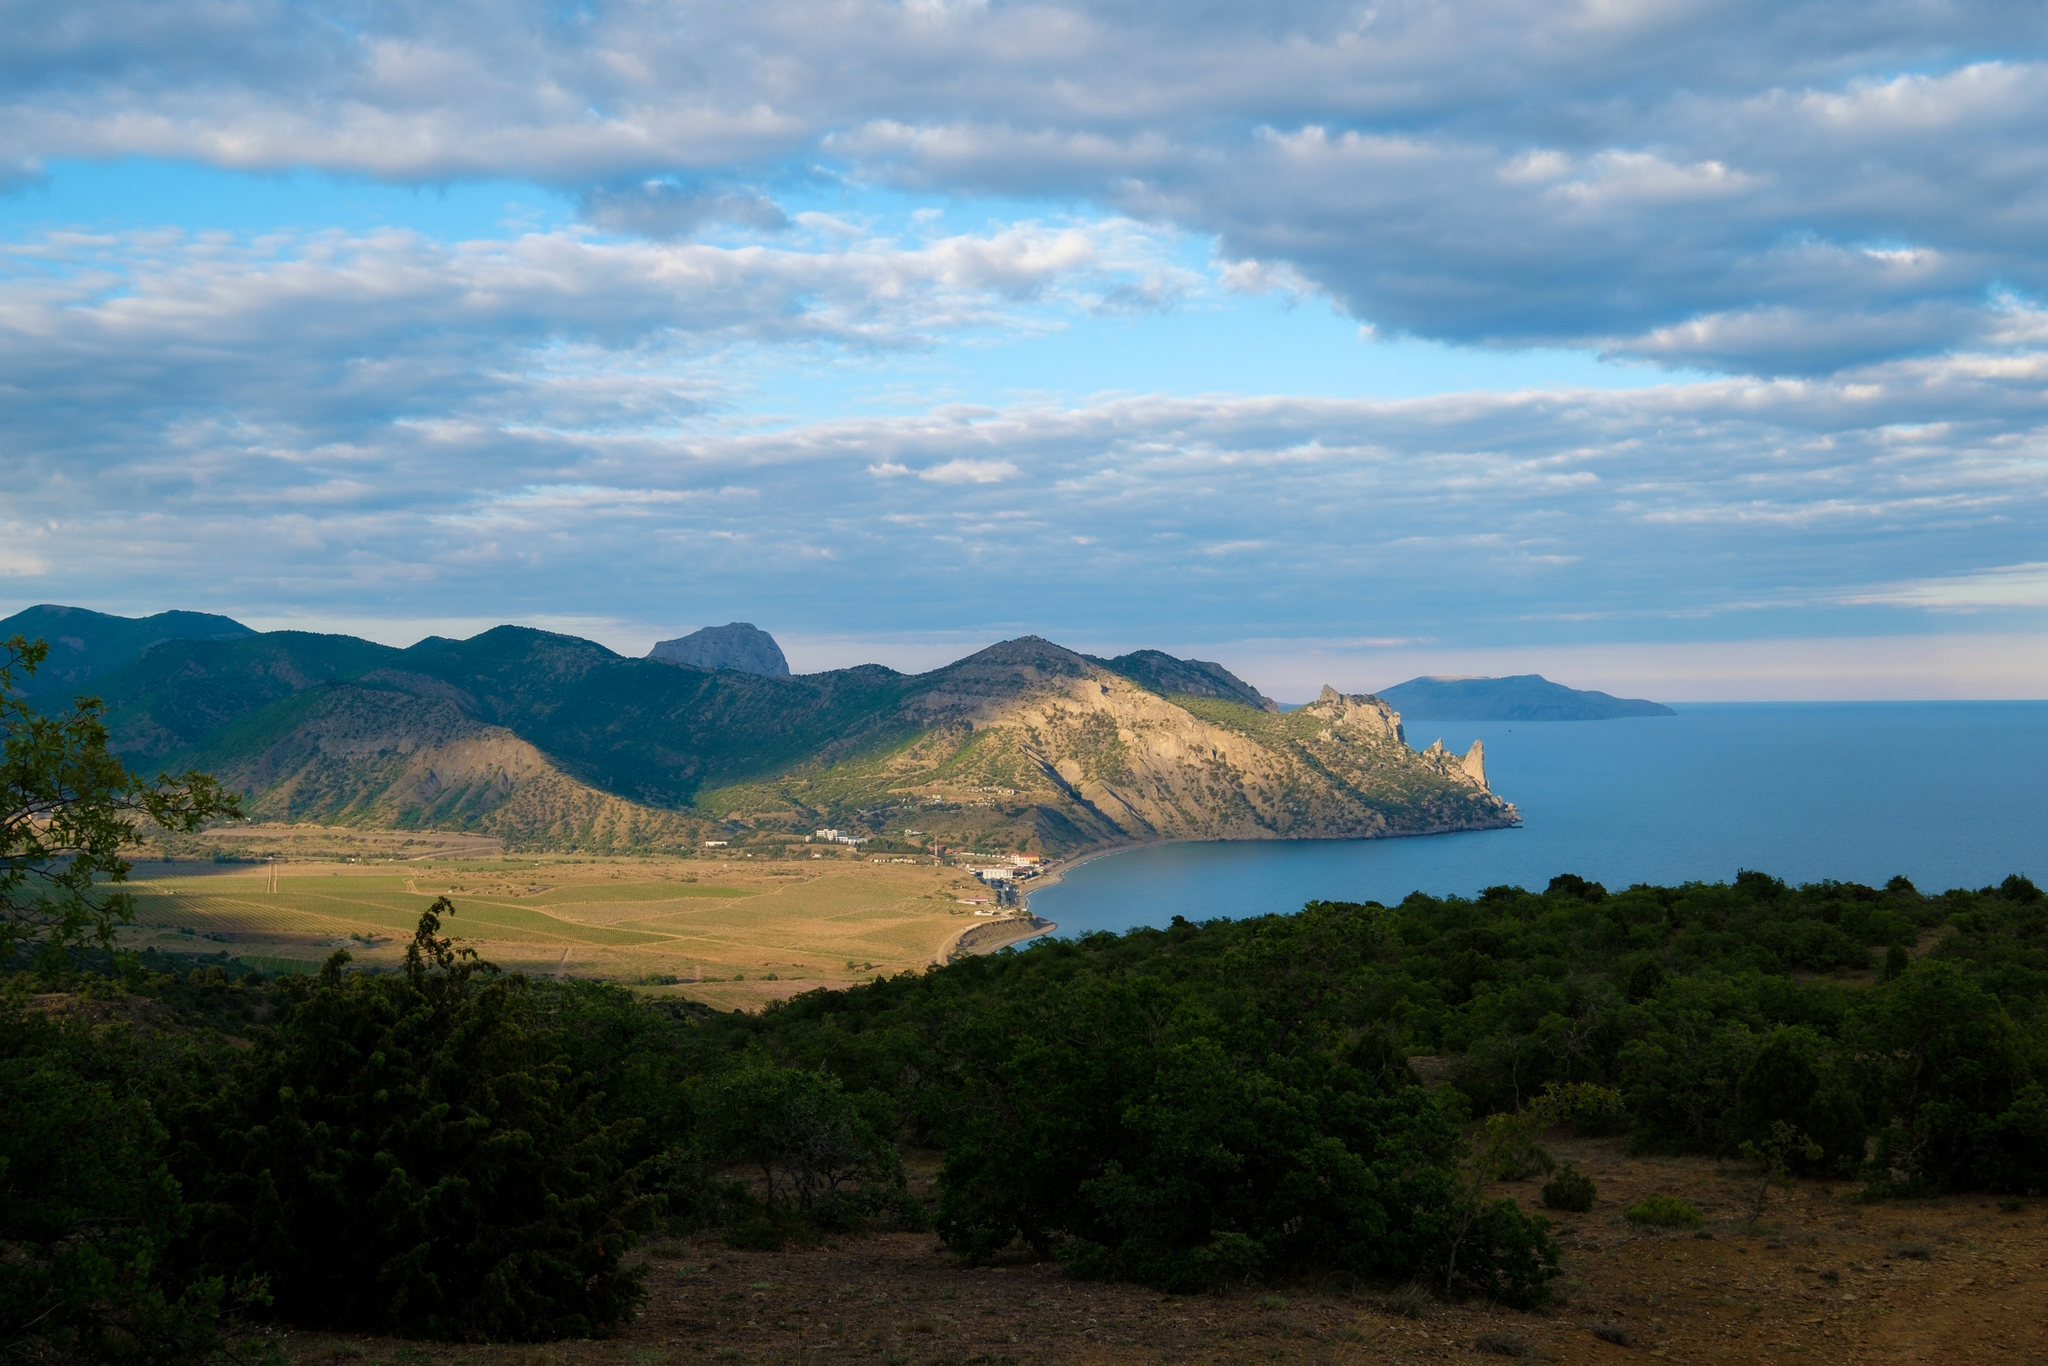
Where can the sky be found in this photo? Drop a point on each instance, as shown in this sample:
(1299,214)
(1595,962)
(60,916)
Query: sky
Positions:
(1689,350)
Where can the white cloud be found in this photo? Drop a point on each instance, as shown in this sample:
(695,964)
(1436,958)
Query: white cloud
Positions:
(969,472)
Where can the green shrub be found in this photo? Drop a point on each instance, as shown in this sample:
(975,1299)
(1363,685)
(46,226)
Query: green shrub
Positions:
(1571,1189)
(1504,1256)
(1663,1211)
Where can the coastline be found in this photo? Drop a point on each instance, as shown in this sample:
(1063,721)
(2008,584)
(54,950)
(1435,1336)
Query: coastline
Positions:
(993,935)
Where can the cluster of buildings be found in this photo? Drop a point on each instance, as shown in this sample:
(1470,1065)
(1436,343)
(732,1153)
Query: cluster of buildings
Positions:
(837,837)
(1013,869)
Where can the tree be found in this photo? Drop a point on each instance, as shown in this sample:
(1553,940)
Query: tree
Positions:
(409,1154)
(816,1151)
(68,808)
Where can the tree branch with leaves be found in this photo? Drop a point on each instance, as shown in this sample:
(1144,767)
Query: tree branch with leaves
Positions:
(68,809)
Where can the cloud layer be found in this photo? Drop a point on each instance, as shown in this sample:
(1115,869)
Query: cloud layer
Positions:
(1784,188)
(541,427)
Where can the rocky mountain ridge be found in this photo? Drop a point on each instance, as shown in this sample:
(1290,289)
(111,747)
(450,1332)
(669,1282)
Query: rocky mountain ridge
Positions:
(550,740)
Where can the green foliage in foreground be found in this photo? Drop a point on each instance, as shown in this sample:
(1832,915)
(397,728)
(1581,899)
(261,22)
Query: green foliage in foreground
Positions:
(1717,1011)
(88,1207)
(454,1152)
(1570,1189)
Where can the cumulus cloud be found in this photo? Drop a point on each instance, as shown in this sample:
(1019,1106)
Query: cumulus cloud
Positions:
(1697,185)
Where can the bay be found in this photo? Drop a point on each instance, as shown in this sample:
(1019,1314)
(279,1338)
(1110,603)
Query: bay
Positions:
(1949,794)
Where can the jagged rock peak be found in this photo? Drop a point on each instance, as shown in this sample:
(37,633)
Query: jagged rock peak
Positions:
(738,645)
(1356,713)
(1471,764)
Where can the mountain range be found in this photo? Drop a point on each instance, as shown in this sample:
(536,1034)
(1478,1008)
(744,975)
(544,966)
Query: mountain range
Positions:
(548,740)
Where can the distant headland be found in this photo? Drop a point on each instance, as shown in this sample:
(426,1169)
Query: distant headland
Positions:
(1518,697)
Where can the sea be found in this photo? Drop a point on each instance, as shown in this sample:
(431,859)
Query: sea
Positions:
(1949,794)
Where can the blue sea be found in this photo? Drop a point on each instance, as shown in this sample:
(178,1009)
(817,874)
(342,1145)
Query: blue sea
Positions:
(1950,794)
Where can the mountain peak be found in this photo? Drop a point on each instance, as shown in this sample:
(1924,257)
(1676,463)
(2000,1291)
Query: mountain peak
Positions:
(737,645)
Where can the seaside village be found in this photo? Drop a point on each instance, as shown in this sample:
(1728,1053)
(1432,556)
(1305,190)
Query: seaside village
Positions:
(1001,875)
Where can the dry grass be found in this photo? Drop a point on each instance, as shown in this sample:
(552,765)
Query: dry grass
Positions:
(721,926)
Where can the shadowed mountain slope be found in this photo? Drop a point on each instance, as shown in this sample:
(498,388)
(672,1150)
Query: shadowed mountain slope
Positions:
(1167,676)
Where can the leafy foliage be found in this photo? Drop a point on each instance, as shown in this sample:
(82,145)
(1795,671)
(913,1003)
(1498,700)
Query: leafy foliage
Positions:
(88,1207)
(67,810)
(1189,1106)
(820,1152)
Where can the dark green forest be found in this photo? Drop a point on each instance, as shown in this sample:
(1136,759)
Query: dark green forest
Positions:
(454,1152)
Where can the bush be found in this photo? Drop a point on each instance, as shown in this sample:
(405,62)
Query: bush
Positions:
(1571,1189)
(1663,1211)
(1186,1151)
(1505,1256)
(408,1154)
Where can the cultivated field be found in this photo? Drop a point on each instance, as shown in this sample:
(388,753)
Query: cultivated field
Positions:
(732,932)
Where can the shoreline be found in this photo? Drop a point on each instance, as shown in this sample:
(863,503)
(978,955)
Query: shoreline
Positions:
(992,935)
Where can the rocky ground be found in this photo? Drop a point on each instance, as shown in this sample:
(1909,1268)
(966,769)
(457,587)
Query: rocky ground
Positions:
(1819,1278)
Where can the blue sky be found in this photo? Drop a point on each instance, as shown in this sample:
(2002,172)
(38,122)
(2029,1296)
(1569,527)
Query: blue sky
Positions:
(1683,349)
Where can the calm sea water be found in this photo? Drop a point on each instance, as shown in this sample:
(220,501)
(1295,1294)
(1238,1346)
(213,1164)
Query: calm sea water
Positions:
(1948,793)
